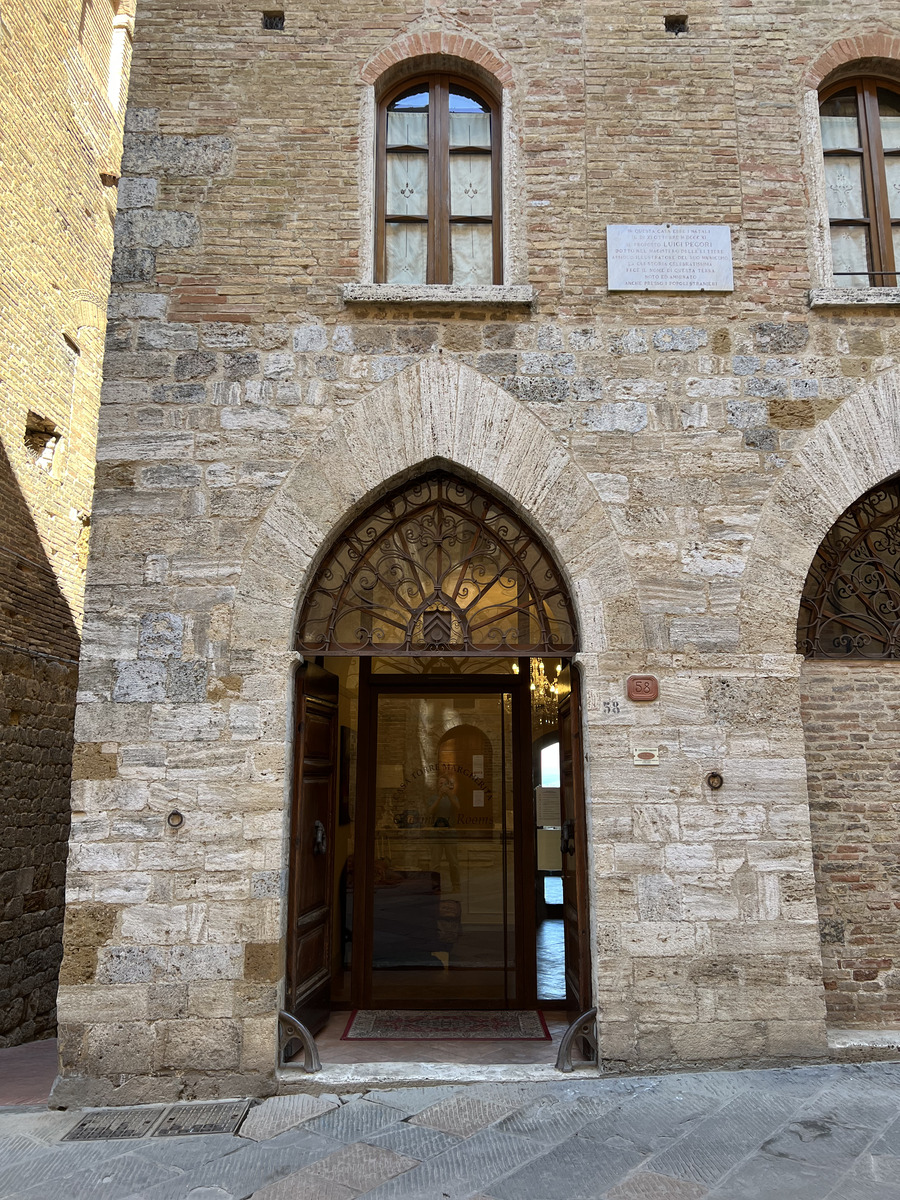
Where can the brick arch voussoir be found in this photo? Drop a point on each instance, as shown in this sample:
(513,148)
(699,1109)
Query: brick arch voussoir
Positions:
(874,43)
(453,44)
(436,411)
(857,448)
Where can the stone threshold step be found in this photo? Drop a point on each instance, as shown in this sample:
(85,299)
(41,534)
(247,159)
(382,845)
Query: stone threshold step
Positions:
(876,1039)
(363,1077)
(844,1045)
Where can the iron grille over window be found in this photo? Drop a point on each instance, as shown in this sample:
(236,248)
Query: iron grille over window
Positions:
(851,601)
(860,122)
(437,567)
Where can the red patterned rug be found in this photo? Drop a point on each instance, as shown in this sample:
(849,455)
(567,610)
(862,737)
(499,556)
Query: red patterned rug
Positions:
(381,1025)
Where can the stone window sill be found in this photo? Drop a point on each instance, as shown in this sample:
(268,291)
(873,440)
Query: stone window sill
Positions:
(499,294)
(881,297)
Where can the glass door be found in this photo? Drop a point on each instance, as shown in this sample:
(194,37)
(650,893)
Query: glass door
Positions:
(442,867)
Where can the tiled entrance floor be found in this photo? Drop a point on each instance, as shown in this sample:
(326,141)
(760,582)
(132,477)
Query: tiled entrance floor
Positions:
(437,1050)
(27,1072)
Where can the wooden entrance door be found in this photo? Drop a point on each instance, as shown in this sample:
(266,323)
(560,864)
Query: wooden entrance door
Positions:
(311,853)
(573,844)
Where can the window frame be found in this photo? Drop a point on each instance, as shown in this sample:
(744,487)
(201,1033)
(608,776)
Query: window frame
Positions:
(883,268)
(439,218)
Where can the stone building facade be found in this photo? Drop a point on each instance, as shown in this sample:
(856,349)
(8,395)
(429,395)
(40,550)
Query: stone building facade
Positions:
(61,117)
(680,454)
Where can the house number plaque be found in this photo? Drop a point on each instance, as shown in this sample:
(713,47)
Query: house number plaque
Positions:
(642,687)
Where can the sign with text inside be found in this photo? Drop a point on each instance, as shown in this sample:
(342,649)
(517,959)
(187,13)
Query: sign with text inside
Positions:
(669,258)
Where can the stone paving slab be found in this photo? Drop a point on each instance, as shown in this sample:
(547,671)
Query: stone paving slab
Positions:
(574,1170)
(822,1143)
(188,1153)
(304,1186)
(241,1173)
(463,1115)
(362,1167)
(126,1175)
(712,1146)
(882,1168)
(279,1113)
(888,1141)
(414,1099)
(852,1190)
(355,1120)
(14,1149)
(763,1175)
(467,1168)
(647,1185)
(38,1123)
(820,1133)
(58,1163)
(415,1141)
(650,1121)
(550,1120)
(210,1193)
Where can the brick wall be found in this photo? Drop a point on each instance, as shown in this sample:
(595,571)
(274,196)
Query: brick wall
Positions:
(851,719)
(60,144)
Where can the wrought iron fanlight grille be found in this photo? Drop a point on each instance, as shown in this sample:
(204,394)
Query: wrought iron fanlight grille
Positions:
(851,601)
(437,568)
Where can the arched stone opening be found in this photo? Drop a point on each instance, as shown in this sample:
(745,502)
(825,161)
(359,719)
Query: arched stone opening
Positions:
(438,635)
(854,450)
(831,481)
(435,415)
(850,702)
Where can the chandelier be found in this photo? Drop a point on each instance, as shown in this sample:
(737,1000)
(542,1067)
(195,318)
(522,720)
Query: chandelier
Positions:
(544,694)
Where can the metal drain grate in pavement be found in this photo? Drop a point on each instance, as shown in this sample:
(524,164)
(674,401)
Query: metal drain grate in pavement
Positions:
(114,1123)
(202,1118)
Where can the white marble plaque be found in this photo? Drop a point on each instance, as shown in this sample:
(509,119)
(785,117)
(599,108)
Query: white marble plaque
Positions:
(669,258)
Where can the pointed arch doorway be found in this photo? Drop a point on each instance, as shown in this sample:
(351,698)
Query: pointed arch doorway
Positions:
(438,833)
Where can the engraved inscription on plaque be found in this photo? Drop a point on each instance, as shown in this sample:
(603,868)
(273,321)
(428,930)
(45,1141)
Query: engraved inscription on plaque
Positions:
(669,258)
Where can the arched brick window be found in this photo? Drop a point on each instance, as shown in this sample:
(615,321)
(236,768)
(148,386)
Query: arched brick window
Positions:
(860,121)
(438,183)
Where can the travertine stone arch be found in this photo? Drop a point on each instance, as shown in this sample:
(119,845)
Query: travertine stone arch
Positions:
(855,449)
(435,411)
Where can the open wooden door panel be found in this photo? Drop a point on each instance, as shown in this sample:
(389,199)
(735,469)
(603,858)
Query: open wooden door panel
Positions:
(308,992)
(574,850)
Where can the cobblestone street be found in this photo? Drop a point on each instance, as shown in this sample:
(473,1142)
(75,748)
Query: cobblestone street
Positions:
(810,1133)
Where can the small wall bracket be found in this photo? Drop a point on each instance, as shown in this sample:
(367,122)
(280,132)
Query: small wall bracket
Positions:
(290,1030)
(584,1027)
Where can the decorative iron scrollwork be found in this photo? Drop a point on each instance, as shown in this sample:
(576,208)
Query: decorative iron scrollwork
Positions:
(851,601)
(437,567)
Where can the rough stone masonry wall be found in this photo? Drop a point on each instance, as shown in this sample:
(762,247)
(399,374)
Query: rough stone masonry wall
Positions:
(57,135)
(851,719)
(248,412)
